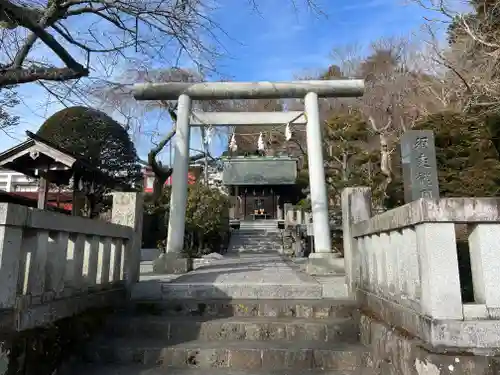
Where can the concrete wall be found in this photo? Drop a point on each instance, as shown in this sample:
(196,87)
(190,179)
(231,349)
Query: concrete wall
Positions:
(394,352)
(45,350)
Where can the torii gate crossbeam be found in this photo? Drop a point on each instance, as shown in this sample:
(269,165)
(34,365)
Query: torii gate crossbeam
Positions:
(249,90)
(186,92)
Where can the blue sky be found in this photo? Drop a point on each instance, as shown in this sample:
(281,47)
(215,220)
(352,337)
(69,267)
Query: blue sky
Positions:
(275,43)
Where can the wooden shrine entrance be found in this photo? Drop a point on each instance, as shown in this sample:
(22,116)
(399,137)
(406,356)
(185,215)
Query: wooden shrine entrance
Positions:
(262,202)
(259,203)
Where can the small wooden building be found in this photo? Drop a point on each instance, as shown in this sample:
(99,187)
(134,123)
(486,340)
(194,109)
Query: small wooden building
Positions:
(50,164)
(261,181)
(259,185)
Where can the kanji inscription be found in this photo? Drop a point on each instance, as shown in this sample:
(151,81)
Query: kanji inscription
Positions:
(420,175)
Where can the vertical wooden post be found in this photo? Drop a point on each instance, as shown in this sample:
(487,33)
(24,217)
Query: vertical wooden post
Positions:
(237,202)
(78,199)
(43,189)
(244,205)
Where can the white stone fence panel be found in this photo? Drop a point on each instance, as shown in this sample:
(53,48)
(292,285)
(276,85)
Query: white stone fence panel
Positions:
(46,256)
(403,265)
(294,216)
(409,255)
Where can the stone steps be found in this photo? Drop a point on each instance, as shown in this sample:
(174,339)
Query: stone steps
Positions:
(259,224)
(223,290)
(250,237)
(251,312)
(249,225)
(258,247)
(237,354)
(180,329)
(258,231)
(275,308)
(256,243)
(254,239)
(251,240)
(154,370)
(255,234)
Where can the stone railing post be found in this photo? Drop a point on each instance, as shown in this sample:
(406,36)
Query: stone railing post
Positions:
(440,282)
(308,222)
(128,210)
(299,214)
(279,213)
(12,220)
(288,214)
(356,207)
(485,263)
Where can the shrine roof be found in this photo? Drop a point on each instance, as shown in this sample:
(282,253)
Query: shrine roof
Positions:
(257,158)
(38,154)
(259,170)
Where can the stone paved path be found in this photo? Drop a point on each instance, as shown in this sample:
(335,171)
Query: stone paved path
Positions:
(240,275)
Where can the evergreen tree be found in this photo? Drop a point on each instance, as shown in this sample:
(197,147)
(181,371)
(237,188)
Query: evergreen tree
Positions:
(467,161)
(98,138)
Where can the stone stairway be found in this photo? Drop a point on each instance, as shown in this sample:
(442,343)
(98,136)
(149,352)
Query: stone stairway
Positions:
(259,236)
(252,312)
(263,225)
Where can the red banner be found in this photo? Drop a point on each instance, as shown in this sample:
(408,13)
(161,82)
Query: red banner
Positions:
(191,179)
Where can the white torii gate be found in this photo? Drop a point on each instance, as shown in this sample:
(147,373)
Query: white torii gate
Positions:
(186,92)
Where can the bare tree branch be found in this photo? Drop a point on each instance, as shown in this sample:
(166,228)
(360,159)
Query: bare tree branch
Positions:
(161,29)
(472,55)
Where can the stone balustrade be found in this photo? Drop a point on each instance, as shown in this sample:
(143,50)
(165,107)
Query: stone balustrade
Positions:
(296,216)
(47,256)
(403,265)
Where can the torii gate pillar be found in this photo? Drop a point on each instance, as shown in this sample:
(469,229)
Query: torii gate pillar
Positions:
(178,198)
(184,92)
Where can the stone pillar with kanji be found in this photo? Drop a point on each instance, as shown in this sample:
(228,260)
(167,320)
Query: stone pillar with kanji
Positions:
(418,158)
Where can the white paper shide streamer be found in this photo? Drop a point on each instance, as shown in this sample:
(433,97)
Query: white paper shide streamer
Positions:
(208,135)
(232,144)
(288,132)
(260,143)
